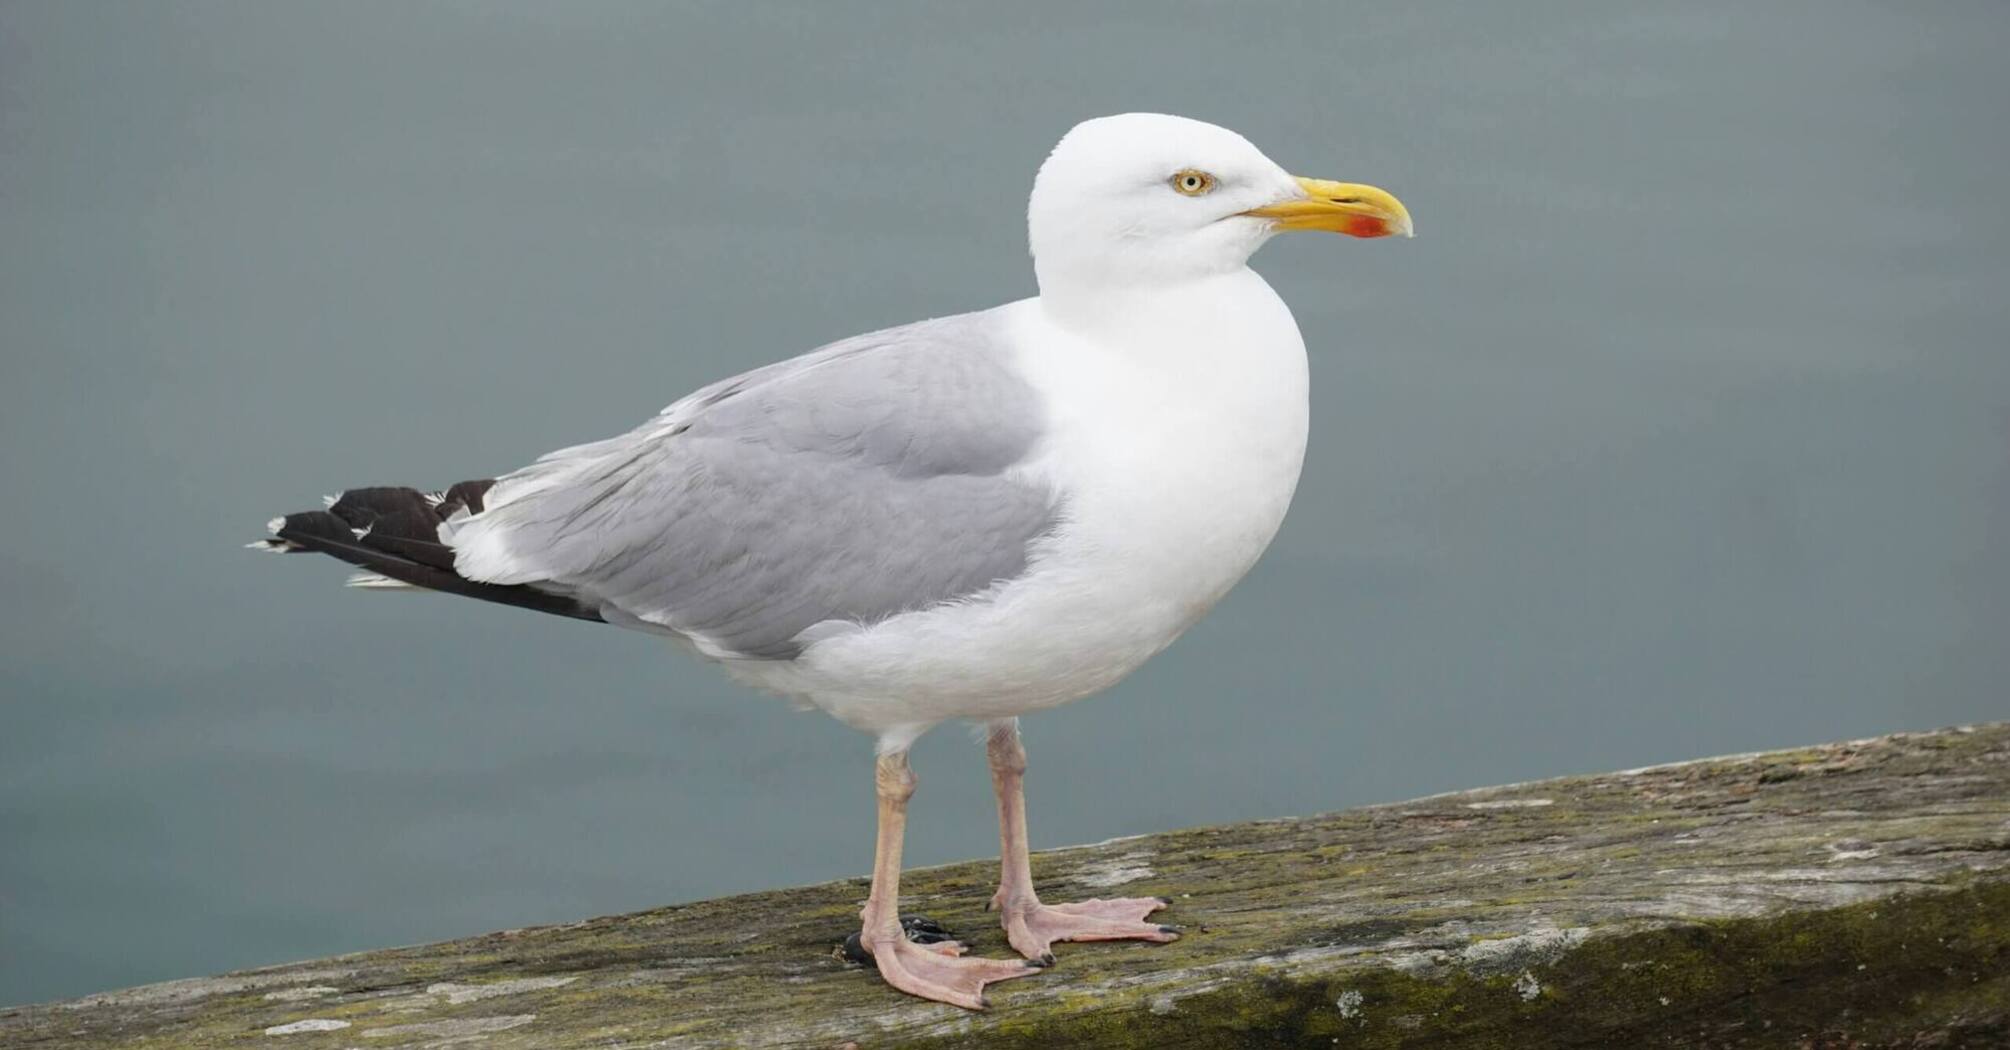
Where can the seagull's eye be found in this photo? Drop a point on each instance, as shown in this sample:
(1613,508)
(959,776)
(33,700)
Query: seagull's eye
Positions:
(1192,183)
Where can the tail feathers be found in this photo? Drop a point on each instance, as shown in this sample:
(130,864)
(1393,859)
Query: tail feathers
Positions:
(393,534)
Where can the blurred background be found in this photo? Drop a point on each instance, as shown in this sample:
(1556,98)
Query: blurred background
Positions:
(1683,427)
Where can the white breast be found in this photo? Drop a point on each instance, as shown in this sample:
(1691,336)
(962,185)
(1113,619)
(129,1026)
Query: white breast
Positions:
(1177,430)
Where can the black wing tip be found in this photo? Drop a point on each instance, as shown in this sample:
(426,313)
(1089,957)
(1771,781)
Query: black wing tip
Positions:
(394,532)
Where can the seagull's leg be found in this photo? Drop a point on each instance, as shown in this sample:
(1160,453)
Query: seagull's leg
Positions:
(929,971)
(1031,926)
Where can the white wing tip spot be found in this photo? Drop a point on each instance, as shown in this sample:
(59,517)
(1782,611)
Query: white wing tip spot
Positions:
(371,581)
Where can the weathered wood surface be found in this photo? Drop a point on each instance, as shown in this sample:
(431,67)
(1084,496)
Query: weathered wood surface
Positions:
(1849,895)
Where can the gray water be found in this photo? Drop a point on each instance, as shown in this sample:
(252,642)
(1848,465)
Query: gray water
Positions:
(1683,426)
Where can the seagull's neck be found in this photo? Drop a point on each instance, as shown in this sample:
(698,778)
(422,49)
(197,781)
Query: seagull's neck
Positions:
(1204,354)
(1120,311)
(1215,316)
(1176,426)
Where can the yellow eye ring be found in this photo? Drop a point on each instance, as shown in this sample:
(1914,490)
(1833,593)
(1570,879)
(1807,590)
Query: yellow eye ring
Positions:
(1191,183)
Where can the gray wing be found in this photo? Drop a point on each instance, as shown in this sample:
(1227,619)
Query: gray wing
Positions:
(866,479)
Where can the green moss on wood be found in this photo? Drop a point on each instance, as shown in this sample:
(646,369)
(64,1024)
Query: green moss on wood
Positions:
(1849,895)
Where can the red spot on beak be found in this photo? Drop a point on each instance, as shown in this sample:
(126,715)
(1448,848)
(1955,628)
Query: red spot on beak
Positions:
(1366,226)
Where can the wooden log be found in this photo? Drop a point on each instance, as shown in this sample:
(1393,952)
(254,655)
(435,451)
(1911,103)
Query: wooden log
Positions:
(1848,895)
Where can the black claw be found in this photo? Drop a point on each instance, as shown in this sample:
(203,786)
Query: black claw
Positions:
(923,930)
(917,928)
(1167,901)
(1171,929)
(1046,959)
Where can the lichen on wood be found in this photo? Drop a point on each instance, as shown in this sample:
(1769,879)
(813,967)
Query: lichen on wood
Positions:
(1848,895)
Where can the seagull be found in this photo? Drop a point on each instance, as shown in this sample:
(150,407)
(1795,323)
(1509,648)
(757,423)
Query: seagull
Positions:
(969,518)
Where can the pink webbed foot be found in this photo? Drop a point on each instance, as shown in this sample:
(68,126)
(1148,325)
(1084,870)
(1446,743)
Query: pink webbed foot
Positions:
(940,971)
(1033,927)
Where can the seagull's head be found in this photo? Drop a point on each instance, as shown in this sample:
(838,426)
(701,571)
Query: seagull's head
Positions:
(1146,197)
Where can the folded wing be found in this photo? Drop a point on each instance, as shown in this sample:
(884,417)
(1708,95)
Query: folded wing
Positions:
(873,477)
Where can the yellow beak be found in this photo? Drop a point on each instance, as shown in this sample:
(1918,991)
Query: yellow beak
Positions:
(1341,207)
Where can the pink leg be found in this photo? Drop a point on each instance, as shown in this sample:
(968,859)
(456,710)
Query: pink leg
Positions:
(931,971)
(1031,926)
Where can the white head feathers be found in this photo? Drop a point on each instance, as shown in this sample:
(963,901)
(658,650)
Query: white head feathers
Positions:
(1149,198)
